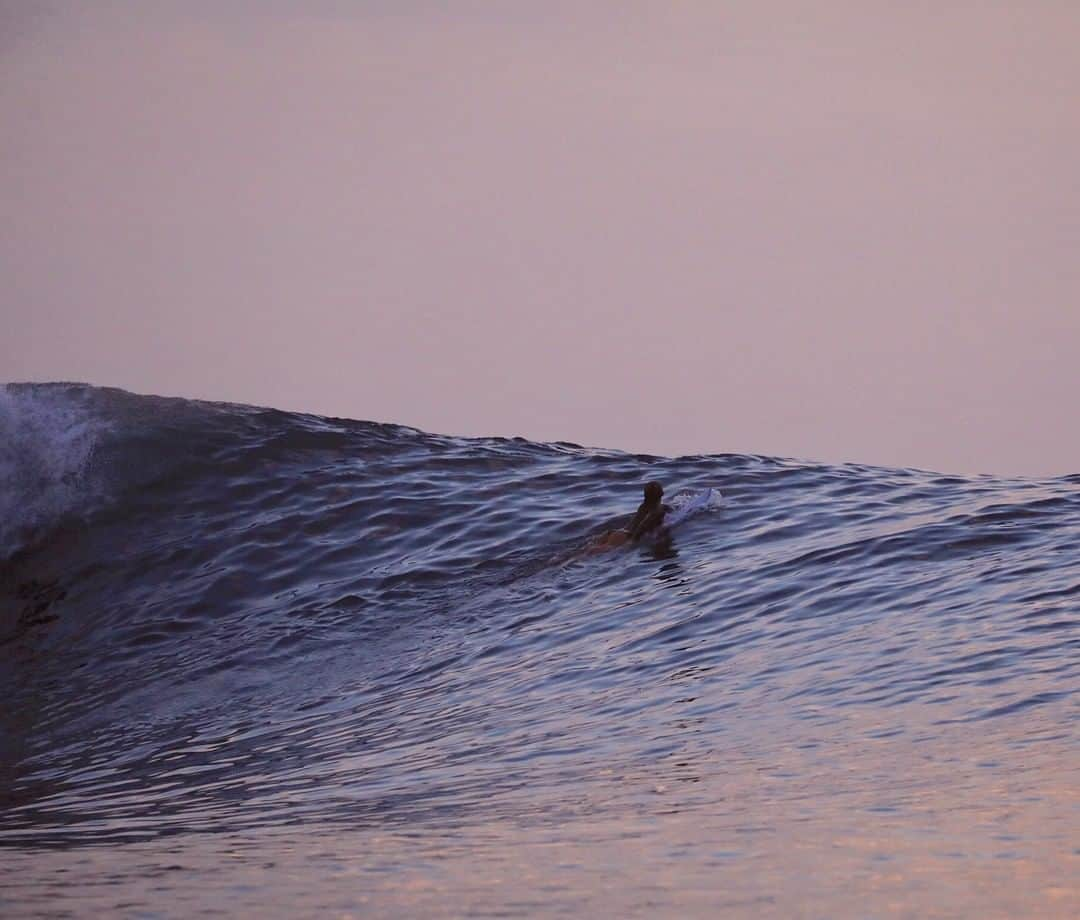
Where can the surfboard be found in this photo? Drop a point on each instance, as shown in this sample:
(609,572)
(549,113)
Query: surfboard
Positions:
(694,504)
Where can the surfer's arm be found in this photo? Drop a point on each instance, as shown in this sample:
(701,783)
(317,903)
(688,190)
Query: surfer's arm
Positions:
(647,522)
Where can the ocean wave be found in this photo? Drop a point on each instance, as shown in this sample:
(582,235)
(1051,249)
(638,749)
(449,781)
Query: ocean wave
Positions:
(220,618)
(48,437)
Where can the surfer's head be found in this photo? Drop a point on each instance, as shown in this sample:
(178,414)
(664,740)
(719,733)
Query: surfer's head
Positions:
(653,492)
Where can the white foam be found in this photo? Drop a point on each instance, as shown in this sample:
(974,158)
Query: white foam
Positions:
(687,504)
(47,441)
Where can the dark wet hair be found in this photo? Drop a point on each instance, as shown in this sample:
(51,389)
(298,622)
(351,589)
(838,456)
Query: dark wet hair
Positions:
(653,491)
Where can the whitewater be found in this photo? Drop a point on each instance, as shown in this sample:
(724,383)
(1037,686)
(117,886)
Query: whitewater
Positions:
(273,664)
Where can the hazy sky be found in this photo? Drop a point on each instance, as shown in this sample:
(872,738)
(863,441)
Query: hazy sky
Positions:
(845,230)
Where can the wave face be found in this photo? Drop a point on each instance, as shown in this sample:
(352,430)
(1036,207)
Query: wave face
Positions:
(368,668)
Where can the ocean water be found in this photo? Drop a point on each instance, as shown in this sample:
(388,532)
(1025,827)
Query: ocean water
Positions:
(270,664)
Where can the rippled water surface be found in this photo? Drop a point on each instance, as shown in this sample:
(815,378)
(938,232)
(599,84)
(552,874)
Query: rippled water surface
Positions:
(275,664)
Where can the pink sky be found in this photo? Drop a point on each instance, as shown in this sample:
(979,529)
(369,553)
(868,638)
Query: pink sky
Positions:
(844,230)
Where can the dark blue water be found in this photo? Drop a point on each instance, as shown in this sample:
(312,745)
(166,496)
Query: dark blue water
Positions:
(275,663)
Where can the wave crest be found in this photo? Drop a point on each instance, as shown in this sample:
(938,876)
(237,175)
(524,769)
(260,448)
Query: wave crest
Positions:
(48,439)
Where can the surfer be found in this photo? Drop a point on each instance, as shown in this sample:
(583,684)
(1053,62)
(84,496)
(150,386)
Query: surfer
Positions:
(648,520)
(650,513)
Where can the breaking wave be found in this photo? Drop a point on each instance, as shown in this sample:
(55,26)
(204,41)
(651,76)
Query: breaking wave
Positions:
(228,620)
